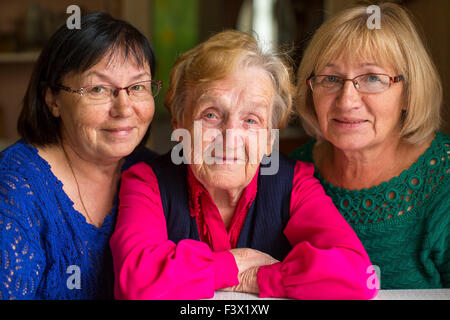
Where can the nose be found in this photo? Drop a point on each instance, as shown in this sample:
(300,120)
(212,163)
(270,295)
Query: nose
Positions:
(122,105)
(349,97)
(233,134)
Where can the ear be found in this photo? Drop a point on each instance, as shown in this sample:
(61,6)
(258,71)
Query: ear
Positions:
(51,101)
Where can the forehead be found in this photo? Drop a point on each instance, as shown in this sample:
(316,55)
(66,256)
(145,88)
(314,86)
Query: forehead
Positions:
(344,66)
(250,83)
(114,63)
(362,47)
(118,61)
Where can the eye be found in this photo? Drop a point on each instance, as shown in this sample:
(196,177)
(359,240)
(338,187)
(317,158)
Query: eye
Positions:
(250,121)
(331,79)
(137,87)
(97,90)
(209,115)
(372,78)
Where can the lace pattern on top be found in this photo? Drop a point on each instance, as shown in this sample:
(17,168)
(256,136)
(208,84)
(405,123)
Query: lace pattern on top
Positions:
(42,235)
(397,197)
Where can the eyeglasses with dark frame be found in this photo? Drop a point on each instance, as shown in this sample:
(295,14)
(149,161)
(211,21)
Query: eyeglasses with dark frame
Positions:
(138,91)
(364,83)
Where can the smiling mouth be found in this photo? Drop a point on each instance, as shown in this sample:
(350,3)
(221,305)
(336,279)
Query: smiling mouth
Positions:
(345,121)
(119,129)
(229,159)
(119,132)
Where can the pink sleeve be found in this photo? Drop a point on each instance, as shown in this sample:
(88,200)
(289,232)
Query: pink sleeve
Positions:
(327,260)
(149,266)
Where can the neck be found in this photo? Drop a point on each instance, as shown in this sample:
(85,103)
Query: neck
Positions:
(226,201)
(96,171)
(355,170)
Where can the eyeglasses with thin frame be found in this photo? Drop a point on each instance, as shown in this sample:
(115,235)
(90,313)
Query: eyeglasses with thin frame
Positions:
(364,83)
(138,91)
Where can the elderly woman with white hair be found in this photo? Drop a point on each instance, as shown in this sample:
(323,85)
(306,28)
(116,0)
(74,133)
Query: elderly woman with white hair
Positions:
(371,98)
(185,230)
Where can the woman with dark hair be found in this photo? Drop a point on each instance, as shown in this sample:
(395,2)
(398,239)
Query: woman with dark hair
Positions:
(85,118)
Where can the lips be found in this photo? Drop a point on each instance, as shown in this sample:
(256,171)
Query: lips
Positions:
(349,123)
(120,131)
(349,120)
(228,160)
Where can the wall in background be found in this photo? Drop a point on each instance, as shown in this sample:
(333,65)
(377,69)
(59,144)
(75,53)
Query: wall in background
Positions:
(173,27)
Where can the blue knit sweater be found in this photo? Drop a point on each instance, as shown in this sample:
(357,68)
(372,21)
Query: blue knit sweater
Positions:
(47,248)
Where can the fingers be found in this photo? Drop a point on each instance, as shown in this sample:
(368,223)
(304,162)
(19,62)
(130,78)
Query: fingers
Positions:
(248,282)
(247,258)
(248,262)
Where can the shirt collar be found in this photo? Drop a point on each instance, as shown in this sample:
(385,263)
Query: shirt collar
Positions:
(196,190)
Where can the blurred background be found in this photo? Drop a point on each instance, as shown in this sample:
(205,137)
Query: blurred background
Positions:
(175,26)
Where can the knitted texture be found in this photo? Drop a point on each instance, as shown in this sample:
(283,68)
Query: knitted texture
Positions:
(48,250)
(403,223)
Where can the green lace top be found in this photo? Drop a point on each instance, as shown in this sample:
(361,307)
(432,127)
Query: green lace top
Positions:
(403,223)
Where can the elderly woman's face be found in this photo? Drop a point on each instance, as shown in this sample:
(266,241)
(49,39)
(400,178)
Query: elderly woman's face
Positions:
(234,114)
(104,131)
(357,121)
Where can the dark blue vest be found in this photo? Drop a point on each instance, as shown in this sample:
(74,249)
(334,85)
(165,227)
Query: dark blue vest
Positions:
(265,220)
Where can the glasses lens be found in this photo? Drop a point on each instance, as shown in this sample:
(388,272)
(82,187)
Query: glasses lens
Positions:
(328,82)
(141,90)
(373,82)
(156,86)
(97,93)
(138,92)
(144,90)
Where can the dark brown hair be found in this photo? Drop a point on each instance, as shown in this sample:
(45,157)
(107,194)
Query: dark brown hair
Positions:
(76,50)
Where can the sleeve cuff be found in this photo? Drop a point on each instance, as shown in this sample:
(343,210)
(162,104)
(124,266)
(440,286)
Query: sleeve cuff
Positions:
(270,281)
(225,270)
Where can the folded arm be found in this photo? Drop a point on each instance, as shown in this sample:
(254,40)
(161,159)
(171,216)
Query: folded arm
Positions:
(149,266)
(327,260)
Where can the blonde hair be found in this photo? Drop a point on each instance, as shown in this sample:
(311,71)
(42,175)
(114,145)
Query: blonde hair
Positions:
(396,44)
(217,58)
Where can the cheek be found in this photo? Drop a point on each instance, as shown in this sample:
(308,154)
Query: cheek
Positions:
(145,113)
(82,117)
(386,111)
(150,111)
(257,144)
(322,106)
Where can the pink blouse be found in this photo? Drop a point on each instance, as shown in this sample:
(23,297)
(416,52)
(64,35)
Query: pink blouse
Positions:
(327,260)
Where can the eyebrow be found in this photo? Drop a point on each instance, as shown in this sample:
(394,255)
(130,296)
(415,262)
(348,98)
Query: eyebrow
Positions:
(366,64)
(363,65)
(212,98)
(256,107)
(104,76)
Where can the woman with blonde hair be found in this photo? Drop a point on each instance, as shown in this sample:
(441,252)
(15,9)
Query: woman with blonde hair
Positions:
(371,99)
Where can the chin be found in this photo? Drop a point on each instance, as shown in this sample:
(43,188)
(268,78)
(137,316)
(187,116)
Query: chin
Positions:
(224,176)
(119,150)
(350,145)
(350,142)
(227,182)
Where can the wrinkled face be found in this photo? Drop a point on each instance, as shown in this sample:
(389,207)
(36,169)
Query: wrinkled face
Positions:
(104,131)
(231,118)
(357,121)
